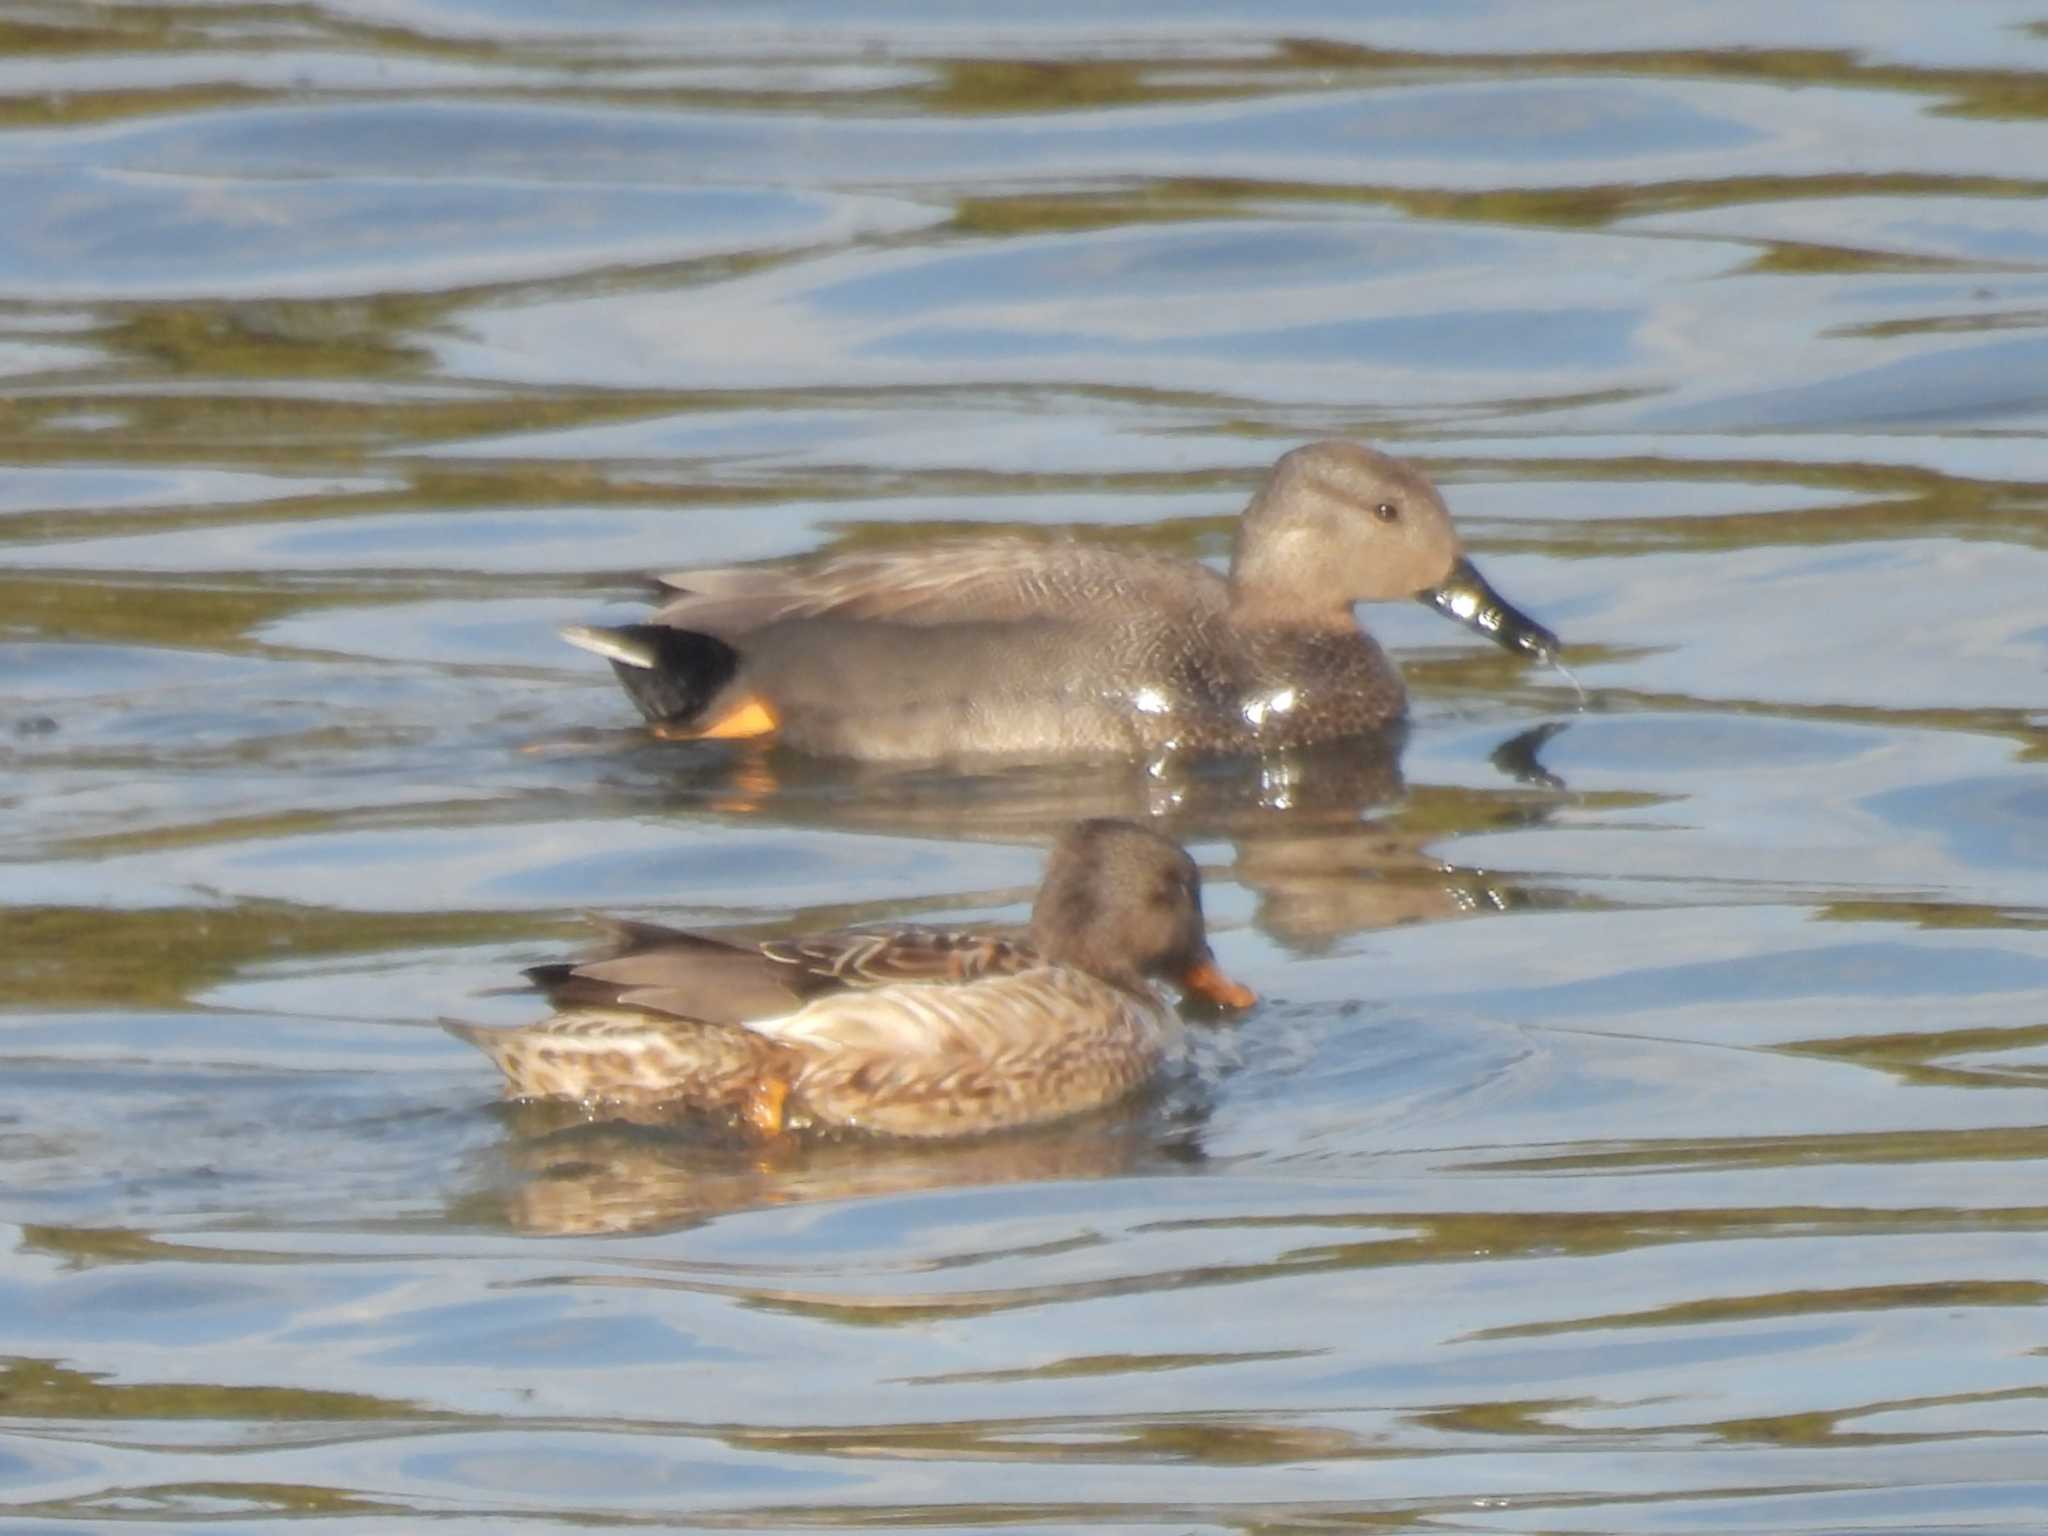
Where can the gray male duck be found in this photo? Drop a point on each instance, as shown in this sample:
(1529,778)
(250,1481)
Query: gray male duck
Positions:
(1015,649)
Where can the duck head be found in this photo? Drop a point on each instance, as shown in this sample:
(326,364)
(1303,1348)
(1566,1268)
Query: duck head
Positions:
(1337,523)
(1124,903)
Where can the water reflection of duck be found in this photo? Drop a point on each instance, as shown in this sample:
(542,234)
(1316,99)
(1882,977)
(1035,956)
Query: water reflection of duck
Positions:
(1330,839)
(1064,650)
(560,1174)
(911,1032)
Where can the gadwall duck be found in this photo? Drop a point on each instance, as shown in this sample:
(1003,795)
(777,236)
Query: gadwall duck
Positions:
(1011,648)
(907,1033)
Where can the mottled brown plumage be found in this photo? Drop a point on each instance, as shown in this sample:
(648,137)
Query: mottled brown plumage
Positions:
(1006,647)
(912,1032)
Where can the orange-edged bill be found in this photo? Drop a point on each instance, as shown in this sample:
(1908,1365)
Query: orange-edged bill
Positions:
(1205,979)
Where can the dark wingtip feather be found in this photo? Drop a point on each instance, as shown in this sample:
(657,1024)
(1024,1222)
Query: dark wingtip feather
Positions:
(566,989)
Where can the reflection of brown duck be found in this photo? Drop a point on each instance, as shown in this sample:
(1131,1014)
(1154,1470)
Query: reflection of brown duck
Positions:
(1066,650)
(908,1033)
(570,1176)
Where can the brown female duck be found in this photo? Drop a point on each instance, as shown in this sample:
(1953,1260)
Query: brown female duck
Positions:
(907,1033)
(1010,648)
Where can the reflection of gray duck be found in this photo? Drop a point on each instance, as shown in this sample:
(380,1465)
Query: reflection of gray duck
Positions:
(909,1033)
(1066,650)
(1331,840)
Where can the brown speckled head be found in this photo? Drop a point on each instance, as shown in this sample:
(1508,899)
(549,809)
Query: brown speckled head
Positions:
(1122,902)
(1338,523)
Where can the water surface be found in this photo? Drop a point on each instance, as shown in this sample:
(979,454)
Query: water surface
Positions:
(1642,1127)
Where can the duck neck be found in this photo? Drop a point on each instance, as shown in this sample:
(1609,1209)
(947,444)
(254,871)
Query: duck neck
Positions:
(1084,953)
(1277,583)
(1255,606)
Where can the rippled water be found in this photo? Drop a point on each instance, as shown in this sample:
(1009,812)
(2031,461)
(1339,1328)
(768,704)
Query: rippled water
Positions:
(1643,1128)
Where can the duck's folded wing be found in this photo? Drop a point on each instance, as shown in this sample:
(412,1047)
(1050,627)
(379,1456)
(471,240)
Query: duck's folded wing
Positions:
(984,581)
(693,976)
(683,975)
(856,958)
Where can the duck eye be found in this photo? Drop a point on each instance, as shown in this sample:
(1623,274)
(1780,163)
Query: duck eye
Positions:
(1386,512)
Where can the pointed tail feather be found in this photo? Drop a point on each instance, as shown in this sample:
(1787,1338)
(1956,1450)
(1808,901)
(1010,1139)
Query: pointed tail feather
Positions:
(619,645)
(490,1041)
(475,1034)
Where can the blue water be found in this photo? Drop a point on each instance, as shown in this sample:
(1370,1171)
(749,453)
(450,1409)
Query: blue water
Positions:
(1641,1127)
